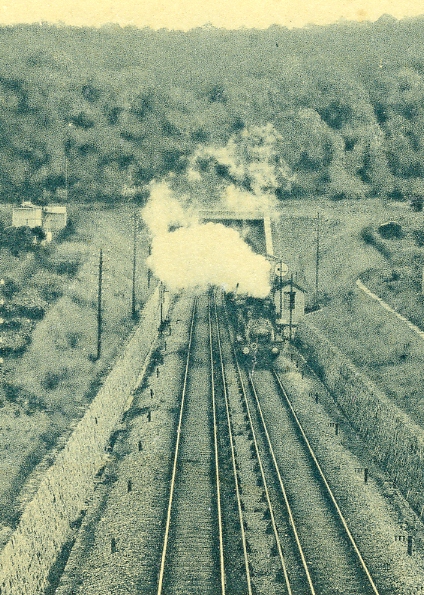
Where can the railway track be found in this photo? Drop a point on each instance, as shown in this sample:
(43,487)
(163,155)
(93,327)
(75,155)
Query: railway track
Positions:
(246,510)
(223,532)
(235,567)
(191,542)
(328,552)
(335,562)
(293,573)
(263,558)
(217,536)
(359,558)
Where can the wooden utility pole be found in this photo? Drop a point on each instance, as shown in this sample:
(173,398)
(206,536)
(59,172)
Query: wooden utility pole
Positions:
(148,269)
(133,305)
(291,307)
(281,290)
(317,261)
(67,150)
(99,307)
(161,299)
(66,179)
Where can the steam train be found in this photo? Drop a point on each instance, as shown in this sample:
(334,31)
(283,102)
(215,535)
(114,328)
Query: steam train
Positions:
(253,320)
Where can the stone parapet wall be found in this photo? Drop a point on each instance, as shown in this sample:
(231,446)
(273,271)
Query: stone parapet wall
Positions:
(45,525)
(393,439)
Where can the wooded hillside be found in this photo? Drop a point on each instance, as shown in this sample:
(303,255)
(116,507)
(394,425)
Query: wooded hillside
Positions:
(90,114)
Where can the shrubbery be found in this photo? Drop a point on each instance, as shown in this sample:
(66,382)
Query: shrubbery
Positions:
(20,239)
(370,237)
(419,237)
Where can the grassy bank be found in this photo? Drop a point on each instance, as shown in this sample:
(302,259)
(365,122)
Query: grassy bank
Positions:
(50,384)
(343,254)
(382,346)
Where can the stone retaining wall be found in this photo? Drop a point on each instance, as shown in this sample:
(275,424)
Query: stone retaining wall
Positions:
(394,440)
(45,525)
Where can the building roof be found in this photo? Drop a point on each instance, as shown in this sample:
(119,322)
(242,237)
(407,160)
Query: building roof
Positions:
(54,209)
(27,205)
(286,283)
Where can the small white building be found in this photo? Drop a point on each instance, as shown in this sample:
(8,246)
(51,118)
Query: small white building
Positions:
(54,218)
(28,215)
(50,218)
(289,302)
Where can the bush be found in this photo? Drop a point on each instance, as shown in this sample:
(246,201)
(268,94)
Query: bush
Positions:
(69,267)
(419,237)
(369,237)
(50,436)
(9,288)
(390,230)
(65,265)
(417,203)
(28,304)
(66,232)
(15,343)
(18,239)
(33,403)
(73,339)
(52,379)
(49,285)
(395,276)
(12,392)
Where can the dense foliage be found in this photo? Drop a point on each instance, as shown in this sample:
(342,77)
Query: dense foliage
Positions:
(20,239)
(91,114)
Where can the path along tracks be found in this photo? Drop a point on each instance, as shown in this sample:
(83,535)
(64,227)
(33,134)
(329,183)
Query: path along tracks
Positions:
(249,509)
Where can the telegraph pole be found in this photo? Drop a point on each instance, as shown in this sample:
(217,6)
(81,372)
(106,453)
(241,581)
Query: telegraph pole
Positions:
(161,298)
(317,261)
(281,290)
(67,149)
(99,307)
(148,269)
(133,307)
(291,306)
(66,179)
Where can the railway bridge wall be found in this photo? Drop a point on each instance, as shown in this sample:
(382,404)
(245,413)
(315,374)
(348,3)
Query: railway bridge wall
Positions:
(393,439)
(45,525)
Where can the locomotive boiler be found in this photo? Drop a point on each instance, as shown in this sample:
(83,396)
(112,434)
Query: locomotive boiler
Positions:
(253,320)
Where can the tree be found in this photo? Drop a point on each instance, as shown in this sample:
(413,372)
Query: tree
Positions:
(19,239)
(38,234)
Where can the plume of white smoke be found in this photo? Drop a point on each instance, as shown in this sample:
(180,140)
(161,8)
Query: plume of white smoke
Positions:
(163,211)
(236,200)
(249,169)
(205,255)
(189,255)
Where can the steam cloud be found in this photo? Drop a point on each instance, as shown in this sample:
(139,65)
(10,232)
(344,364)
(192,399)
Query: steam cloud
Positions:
(191,255)
(244,175)
(163,211)
(246,172)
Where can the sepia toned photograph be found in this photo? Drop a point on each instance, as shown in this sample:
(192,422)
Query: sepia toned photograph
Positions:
(211,298)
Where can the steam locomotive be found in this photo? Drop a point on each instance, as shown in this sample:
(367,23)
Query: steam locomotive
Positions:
(253,320)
